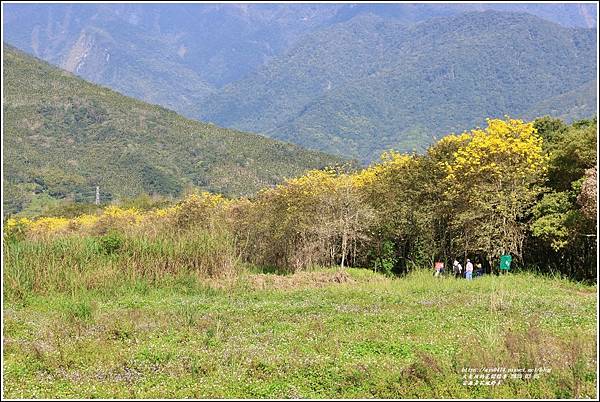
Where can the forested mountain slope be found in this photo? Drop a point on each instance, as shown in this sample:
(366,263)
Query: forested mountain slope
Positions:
(578,103)
(63,136)
(175,55)
(371,83)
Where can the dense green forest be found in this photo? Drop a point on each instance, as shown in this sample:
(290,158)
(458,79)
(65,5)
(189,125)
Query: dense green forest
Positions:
(580,103)
(63,136)
(371,83)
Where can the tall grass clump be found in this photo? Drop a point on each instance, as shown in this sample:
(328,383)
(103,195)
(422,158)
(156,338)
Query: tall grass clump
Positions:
(119,246)
(208,253)
(95,262)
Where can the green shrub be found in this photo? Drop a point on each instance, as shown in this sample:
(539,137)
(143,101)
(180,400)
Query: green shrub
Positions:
(111,243)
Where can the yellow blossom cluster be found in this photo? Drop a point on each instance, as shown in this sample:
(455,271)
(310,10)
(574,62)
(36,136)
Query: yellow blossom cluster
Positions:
(506,148)
(49,225)
(113,216)
(86,220)
(12,223)
(129,215)
(313,183)
(390,161)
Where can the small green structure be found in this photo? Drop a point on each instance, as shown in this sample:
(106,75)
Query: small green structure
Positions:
(505,261)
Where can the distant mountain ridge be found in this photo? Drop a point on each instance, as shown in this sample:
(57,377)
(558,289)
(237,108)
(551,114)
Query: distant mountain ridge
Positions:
(177,54)
(63,136)
(370,83)
(576,104)
(349,79)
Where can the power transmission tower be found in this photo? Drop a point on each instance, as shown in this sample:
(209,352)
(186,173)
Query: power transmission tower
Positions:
(97,195)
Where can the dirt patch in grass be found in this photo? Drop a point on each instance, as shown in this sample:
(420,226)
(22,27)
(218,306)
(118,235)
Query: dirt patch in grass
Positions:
(299,280)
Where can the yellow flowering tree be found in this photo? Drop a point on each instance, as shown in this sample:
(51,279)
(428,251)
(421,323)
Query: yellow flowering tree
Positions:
(493,179)
(316,219)
(391,189)
(433,205)
(198,209)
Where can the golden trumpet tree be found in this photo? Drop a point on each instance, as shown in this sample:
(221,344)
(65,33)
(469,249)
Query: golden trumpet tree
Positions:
(492,180)
(392,188)
(315,219)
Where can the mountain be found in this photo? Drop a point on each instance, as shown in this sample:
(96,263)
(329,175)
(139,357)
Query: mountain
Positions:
(94,43)
(372,83)
(579,103)
(580,15)
(168,54)
(176,55)
(349,79)
(63,136)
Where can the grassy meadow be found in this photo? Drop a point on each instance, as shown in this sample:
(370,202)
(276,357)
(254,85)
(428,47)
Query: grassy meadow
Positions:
(325,333)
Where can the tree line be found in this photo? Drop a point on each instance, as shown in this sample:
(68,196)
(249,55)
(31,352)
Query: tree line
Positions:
(527,189)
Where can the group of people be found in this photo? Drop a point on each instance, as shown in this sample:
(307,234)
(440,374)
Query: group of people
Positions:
(457,269)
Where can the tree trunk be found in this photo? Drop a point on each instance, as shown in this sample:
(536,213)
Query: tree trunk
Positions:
(344,247)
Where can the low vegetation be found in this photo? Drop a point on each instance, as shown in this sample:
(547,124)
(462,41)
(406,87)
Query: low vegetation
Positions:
(512,188)
(316,334)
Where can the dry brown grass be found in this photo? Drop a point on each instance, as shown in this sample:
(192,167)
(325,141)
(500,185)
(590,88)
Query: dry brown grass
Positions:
(299,280)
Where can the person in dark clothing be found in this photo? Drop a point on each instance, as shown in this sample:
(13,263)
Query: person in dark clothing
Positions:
(478,269)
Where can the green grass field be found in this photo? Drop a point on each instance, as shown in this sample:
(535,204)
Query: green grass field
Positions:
(321,334)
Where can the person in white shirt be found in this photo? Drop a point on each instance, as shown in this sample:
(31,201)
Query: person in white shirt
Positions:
(469,270)
(457,268)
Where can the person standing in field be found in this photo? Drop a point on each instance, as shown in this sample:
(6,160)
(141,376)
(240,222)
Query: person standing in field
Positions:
(439,268)
(457,268)
(479,267)
(469,270)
